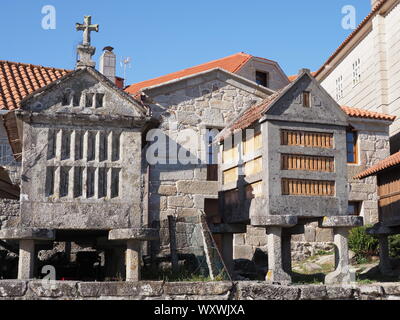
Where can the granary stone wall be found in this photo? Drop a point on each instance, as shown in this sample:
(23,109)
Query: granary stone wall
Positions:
(373,146)
(9,212)
(185,110)
(216,291)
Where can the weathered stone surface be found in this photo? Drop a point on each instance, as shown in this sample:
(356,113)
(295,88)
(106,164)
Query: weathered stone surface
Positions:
(54,289)
(273,220)
(197,288)
(133,234)
(391,289)
(313,292)
(180,201)
(371,290)
(12,288)
(198,187)
(120,289)
(27,233)
(339,292)
(263,291)
(167,190)
(341,221)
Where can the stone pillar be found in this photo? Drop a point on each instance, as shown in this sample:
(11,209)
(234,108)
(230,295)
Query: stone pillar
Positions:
(384,259)
(276,274)
(133,260)
(287,251)
(342,274)
(26,262)
(227,251)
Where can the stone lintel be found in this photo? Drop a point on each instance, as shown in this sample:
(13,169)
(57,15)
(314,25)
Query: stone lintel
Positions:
(141,234)
(27,234)
(228,228)
(274,221)
(341,222)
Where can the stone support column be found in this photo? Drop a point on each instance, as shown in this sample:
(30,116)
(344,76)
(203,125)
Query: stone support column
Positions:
(133,260)
(26,262)
(384,259)
(276,274)
(342,274)
(287,251)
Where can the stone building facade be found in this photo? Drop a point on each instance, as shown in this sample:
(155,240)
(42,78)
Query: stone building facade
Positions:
(364,71)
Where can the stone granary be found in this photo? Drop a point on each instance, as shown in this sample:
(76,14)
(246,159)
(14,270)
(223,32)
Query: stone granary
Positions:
(283,164)
(387,173)
(81,166)
(195,100)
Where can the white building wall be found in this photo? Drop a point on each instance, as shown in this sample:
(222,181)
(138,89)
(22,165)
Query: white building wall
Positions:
(393,60)
(361,95)
(379,89)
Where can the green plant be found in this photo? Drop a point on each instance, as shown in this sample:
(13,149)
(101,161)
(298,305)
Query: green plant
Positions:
(394,246)
(362,244)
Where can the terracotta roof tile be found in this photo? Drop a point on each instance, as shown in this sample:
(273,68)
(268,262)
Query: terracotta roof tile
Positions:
(360,113)
(254,113)
(387,163)
(375,9)
(231,63)
(17,80)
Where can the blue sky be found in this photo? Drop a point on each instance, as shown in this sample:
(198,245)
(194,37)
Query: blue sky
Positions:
(166,36)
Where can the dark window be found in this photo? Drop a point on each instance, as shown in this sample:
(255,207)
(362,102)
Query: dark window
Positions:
(351,145)
(89,100)
(99,100)
(354,208)
(262,78)
(306,99)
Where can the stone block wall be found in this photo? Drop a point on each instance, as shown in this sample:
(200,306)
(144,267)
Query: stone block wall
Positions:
(213,291)
(9,212)
(206,102)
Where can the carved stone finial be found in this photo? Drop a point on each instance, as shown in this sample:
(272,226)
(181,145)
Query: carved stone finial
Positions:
(85,50)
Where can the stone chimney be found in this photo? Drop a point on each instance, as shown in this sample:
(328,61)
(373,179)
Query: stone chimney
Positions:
(108,63)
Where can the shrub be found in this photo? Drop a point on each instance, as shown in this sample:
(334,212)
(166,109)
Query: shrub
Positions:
(394,246)
(362,244)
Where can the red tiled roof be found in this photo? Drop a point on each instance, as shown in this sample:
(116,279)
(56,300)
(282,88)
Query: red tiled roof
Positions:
(231,63)
(17,80)
(360,113)
(294,77)
(387,163)
(254,113)
(375,9)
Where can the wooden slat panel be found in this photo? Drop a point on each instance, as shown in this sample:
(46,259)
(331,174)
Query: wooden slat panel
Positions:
(231,175)
(253,167)
(230,155)
(307,163)
(254,190)
(308,187)
(307,139)
(253,144)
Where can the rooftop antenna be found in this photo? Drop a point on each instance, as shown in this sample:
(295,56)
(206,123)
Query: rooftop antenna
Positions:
(125,63)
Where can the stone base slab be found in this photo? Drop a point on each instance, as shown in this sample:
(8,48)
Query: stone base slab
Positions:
(274,221)
(156,290)
(27,234)
(141,234)
(341,222)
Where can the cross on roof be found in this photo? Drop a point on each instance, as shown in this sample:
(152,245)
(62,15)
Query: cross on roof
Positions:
(87,27)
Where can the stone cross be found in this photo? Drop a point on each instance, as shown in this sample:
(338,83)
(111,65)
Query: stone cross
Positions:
(87,27)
